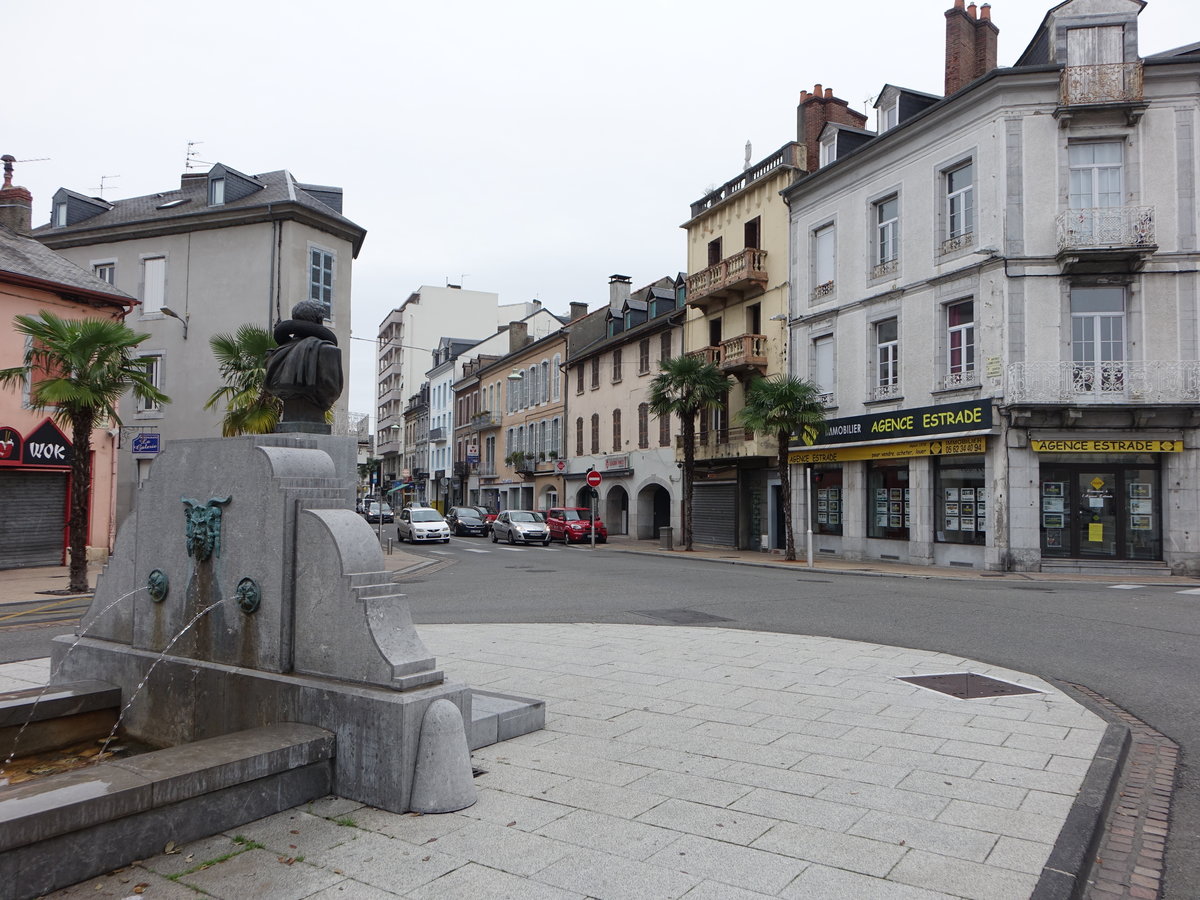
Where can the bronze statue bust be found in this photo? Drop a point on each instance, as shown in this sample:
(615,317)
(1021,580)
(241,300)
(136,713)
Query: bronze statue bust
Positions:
(305,370)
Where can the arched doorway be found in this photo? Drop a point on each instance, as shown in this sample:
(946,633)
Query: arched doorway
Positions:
(548,498)
(616,510)
(654,511)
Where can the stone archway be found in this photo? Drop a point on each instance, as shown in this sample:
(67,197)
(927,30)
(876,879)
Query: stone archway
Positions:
(653,511)
(616,510)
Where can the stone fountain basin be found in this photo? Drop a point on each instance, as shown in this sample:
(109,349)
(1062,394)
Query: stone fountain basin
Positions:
(64,828)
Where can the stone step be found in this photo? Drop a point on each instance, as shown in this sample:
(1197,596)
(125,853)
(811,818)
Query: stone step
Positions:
(1117,567)
(500,717)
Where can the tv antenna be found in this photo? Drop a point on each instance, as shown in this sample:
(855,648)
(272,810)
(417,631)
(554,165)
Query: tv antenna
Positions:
(103,179)
(193,162)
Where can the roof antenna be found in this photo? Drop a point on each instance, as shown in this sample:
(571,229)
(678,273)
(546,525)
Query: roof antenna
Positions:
(192,154)
(104,178)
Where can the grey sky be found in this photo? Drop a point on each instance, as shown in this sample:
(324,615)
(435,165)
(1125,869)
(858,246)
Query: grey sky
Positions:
(527,147)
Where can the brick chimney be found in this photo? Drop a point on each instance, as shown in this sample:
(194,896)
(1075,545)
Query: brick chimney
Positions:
(518,336)
(814,112)
(16,203)
(971,44)
(619,289)
(578,310)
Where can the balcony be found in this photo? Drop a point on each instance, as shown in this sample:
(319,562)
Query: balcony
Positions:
(487,469)
(1144,382)
(437,434)
(484,420)
(882,392)
(707,354)
(735,278)
(744,355)
(1110,86)
(1101,238)
(729,443)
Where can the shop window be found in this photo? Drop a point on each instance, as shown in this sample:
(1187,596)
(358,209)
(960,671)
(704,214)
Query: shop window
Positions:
(827,508)
(1101,509)
(889,509)
(960,500)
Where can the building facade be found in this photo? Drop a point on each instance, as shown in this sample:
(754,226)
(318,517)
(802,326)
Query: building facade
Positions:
(223,250)
(997,292)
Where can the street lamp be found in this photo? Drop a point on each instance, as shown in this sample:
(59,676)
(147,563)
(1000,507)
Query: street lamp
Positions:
(170,313)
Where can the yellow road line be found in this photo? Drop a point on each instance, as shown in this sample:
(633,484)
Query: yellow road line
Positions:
(26,612)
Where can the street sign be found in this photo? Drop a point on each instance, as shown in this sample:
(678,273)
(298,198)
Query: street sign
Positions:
(594,478)
(561,465)
(146,442)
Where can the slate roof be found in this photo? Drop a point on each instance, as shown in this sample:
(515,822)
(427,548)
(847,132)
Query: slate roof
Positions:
(277,187)
(26,258)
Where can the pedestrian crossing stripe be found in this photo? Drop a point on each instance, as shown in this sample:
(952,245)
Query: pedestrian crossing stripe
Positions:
(1126,587)
(1189,591)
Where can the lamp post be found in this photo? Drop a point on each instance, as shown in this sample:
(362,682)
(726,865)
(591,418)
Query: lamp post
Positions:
(808,510)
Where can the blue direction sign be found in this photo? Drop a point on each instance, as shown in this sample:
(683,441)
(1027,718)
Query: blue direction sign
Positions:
(146,442)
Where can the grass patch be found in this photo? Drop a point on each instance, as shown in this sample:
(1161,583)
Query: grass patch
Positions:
(244,844)
(346,822)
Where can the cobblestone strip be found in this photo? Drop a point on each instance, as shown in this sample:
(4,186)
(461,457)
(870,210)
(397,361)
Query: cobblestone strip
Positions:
(1130,860)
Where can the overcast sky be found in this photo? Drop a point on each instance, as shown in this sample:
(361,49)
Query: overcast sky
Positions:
(528,147)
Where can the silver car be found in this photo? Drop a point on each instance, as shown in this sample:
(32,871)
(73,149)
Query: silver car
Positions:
(421,524)
(522,525)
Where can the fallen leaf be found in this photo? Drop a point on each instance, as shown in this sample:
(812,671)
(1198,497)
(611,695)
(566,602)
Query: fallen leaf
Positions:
(170,848)
(902,843)
(141,888)
(431,840)
(511,824)
(293,831)
(338,872)
(292,846)
(426,858)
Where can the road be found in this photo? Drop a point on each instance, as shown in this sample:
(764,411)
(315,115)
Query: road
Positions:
(1139,647)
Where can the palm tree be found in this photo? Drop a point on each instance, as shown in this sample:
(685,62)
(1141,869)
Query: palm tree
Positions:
(79,369)
(784,406)
(686,387)
(242,361)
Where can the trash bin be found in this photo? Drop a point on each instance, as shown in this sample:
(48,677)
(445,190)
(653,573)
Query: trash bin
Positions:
(666,535)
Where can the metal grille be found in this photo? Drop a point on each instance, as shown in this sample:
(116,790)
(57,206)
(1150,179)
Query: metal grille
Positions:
(968,685)
(32,531)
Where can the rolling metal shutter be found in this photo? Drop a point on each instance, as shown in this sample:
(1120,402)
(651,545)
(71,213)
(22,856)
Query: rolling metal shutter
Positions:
(714,514)
(32,526)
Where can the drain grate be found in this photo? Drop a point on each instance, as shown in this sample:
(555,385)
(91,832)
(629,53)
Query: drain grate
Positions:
(968,685)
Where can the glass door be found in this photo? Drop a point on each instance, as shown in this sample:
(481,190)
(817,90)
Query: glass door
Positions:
(1101,511)
(1097,520)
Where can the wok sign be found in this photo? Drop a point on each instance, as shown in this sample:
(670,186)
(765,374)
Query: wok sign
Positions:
(45,447)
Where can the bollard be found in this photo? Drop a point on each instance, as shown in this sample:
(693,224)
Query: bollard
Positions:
(667,536)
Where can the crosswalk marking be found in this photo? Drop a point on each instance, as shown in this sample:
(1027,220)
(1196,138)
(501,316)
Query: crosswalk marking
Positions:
(475,550)
(1126,587)
(1189,591)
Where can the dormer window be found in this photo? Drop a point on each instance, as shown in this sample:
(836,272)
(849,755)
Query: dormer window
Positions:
(828,148)
(60,214)
(889,115)
(216,192)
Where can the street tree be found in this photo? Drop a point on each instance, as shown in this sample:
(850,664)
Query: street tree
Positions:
(782,406)
(687,386)
(78,369)
(242,361)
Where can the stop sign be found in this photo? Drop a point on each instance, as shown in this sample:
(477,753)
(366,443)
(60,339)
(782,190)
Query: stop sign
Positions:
(593,478)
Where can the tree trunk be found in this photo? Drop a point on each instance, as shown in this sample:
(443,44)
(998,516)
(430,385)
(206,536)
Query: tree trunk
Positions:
(81,488)
(785,494)
(688,428)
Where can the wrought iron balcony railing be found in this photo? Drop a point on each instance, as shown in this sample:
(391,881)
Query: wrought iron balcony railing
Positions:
(1106,83)
(1147,381)
(485,419)
(955,380)
(885,392)
(437,434)
(1106,228)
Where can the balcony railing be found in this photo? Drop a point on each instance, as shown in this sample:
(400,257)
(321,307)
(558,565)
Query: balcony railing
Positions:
(487,469)
(885,268)
(1106,228)
(1148,381)
(788,155)
(954,381)
(483,420)
(884,392)
(729,443)
(956,243)
(745,353)
(437,434)
(741,275)
(1106,83)
(707,354)
(822,290)
(827,399)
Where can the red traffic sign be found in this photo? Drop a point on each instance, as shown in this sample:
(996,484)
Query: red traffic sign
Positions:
(593,478)
(561,465)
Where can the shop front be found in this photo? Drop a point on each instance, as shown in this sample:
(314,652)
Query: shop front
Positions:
(34,493)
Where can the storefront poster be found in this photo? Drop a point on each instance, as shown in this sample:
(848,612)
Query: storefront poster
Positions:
(968,523)
(967,509)
(1052,504)
(967,494)
(1052,488)
(1053,538)
(1052,520)
(1140,523)
(952,523)
(952,509)
(1141,507)
(1095,532)
(835,518)
(1140,489)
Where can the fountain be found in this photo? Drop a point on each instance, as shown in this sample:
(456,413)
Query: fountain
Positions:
(265,648)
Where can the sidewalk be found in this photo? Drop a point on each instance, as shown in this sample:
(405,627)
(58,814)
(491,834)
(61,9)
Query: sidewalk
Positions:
(697,763)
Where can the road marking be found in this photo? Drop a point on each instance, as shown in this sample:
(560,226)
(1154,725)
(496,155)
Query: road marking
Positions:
(1126,587)
(514,549)
(442,552)
(1189,591)
(474,550)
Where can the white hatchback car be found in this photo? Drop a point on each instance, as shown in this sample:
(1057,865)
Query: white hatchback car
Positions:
(421,524)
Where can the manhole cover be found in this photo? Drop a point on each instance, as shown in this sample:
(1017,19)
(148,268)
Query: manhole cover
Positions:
(682,616)
(968,685)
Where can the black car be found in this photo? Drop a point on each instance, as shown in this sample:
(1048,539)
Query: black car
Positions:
(465,520)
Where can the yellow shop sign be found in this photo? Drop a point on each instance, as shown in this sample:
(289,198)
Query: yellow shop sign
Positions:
(1107,446)
(946,447)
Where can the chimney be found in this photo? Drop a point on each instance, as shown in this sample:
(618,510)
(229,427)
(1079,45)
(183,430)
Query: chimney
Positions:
(518,336)
(971,44)
(16,203)
(191,178)
(578,310)
(817,109)
(619,288)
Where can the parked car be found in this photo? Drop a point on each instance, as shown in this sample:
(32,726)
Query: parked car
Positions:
(522,525)
(373,512)
(422,523)
(465,520)
(571,524)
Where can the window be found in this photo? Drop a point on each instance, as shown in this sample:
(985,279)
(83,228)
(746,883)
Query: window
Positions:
(320,279)
(556,374)
(595,432)
(579,379)
(828,150)
(959,210)
(753,233)
(828,510)
(216,192)
(1096,175)
(544,381)
(555,436)
(823,373)
(616,419)
(154,284)
(887,237)
(714,252)
(887,360)
(889,116)
(595,372)
(1098,340)
(643,426)
(616,365)
(579,436)
(960,500)
(154,376)
(664,431)
(106,272)
(823,261)
(960,344)
(60,215)
(664,346)
(644,357)
(888,502)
